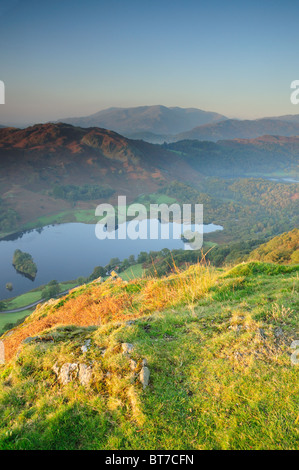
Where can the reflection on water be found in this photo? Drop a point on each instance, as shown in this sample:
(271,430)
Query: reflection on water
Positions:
(67,251)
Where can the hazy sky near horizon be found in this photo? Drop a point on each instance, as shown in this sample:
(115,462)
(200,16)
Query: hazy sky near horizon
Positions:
(64,58)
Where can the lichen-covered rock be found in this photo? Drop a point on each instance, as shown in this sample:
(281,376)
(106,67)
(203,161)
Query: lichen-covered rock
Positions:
(85,374)
(127,348)
(133,364)
(86,346)
(144,376)
(68,373)
(278,333)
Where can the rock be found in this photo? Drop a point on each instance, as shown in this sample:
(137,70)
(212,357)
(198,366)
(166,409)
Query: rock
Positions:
(85,374)
(2,353)
(86,346)
(133,364)
(144,362)
(55,369)
(67,373)
(278,333)
(144,376)
(127,348)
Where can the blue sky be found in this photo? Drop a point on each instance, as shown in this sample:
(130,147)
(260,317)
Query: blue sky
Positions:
(72,57)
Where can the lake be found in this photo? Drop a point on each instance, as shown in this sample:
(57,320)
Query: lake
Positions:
(67,251)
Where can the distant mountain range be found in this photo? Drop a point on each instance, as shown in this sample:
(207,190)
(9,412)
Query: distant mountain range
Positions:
(145,120)
(235,129)
(159,124)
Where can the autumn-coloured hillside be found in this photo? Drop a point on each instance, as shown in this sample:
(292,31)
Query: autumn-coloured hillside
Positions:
(283,249)
(201,359)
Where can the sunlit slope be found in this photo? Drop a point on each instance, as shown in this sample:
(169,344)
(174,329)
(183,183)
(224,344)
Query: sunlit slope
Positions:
(215,342)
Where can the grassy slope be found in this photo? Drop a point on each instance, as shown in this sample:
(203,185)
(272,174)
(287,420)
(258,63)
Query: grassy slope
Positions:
(133,272)
(221,375)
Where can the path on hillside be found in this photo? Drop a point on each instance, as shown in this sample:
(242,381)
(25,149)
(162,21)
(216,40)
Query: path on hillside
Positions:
(35,303)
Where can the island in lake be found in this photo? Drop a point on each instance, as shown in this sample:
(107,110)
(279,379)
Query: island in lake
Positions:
(24,264)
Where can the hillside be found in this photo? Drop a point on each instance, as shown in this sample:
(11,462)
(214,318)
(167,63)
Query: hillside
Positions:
(35,159)
(147,119)
(281,249)
(286,117)
(239,157)
(240,129)
(196,360)
(58,172)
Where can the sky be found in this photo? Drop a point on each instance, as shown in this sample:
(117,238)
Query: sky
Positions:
(67,58)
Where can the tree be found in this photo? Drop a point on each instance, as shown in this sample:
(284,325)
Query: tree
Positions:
(52,290)
(98,271)
(131,259)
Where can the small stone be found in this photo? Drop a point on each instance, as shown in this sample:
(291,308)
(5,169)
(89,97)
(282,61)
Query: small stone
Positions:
(86,346)
(68,373)
(133,364)
(127,348)
(144,376)
(85,374)
(278,333)
(144,362)
(55,368)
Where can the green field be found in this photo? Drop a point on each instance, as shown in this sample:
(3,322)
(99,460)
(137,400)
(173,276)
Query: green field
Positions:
(12,318)
(133,272)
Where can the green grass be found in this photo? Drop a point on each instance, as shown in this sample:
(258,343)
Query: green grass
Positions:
(220,377)
(12,318)
(133,272)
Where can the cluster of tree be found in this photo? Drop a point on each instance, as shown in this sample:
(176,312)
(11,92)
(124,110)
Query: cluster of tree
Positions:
(115,264)
(24,264)
(86,192)
(247,208)
(51,290)
(234,159)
